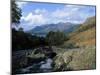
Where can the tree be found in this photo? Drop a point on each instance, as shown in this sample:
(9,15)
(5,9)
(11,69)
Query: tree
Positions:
(55,38)
(20,29)
(15,13)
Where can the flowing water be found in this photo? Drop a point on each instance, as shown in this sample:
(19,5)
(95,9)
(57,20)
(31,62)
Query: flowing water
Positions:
(43,66)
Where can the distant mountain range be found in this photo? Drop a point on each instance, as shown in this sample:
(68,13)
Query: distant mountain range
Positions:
(44,29)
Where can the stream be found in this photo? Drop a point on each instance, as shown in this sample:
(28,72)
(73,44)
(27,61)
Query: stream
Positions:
(43,66)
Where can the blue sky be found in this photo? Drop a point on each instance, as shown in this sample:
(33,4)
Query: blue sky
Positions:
(37,14)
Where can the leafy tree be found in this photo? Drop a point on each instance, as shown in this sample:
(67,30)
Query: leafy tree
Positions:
(55,38)
(15,12)
(20,29)
(22,40)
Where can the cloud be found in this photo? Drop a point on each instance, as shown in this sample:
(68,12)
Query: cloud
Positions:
(34,19)
(21,4)
(40,11)
(74,13)
(68,13)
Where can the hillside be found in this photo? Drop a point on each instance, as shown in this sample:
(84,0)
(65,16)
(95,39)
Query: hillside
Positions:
(85,34)
(79,52)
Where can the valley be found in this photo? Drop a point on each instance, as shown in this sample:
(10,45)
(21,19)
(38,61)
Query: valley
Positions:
(57,52)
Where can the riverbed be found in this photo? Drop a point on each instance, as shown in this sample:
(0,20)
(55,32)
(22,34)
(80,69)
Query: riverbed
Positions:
(43,66)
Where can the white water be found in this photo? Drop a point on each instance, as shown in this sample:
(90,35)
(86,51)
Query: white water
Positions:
(45,66)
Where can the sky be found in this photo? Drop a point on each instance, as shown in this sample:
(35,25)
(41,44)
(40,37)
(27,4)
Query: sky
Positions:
(37,14)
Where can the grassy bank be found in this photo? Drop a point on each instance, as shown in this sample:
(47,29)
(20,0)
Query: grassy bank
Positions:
(75,59)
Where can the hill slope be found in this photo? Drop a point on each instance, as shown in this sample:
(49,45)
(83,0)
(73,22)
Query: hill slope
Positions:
(82,55)
(85,34)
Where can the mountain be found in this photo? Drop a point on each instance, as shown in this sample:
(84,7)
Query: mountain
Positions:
(44,29)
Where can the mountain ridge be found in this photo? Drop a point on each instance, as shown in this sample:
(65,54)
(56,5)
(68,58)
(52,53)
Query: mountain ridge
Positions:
(63,27)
